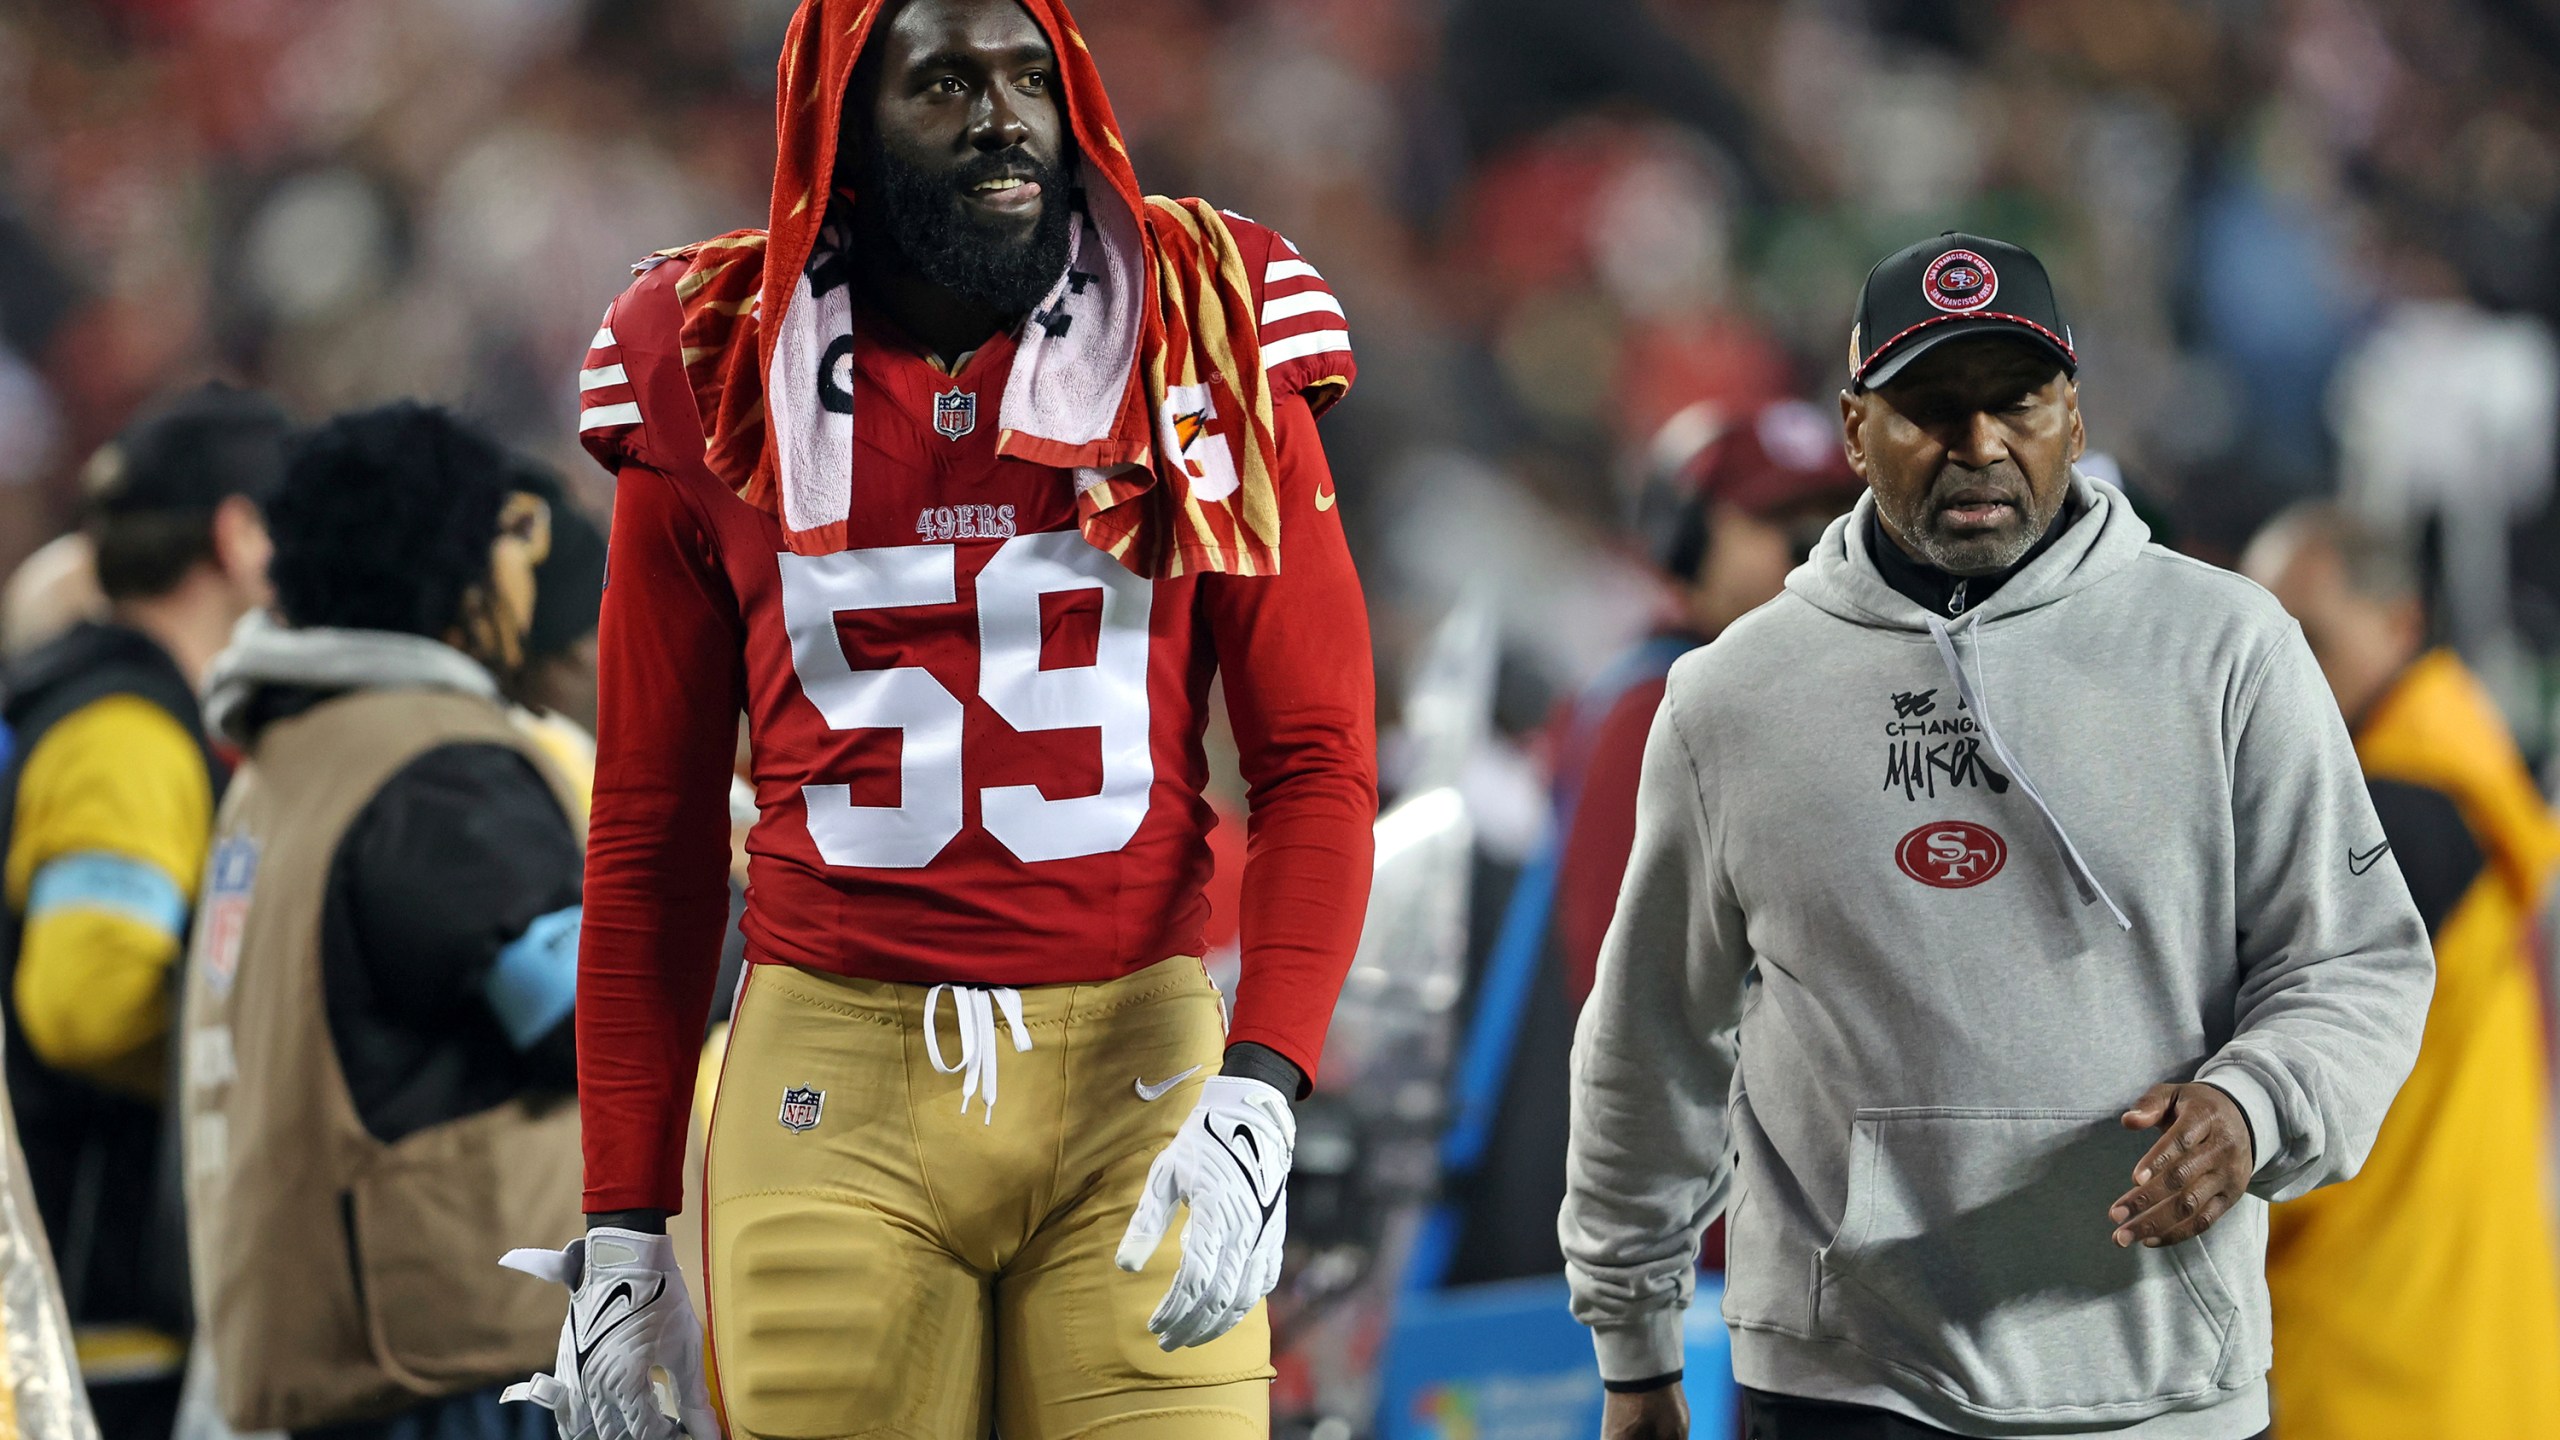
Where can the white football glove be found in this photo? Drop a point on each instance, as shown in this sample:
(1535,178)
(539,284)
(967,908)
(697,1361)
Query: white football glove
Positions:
(628,1316)
(1230,1163)
(558,1391)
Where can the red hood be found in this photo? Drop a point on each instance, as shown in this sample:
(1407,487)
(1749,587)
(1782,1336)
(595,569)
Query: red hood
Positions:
(818,56)
(1190,322)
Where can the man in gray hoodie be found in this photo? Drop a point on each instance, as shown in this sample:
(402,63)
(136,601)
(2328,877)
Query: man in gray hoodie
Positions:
(2007,923)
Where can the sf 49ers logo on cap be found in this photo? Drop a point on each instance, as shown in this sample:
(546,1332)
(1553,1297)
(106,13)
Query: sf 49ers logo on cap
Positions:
(801,1107)
(1959,282)
(1951,854)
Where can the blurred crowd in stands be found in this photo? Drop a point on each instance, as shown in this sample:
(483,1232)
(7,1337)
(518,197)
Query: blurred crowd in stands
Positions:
(1555,226)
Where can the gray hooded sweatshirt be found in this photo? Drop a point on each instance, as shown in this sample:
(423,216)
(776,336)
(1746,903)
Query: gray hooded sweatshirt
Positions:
(1917,908)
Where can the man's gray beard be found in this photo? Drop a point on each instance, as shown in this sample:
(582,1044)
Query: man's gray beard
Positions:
(1979,555)
(1968,557)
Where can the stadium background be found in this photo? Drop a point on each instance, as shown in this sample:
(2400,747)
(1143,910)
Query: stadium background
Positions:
(1554,225)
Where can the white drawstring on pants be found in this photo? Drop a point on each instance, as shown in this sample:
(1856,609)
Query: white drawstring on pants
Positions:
(974,1007)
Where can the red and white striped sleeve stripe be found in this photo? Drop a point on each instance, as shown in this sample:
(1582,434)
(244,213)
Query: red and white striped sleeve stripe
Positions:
(605,397)
(1305,340)
(608,406)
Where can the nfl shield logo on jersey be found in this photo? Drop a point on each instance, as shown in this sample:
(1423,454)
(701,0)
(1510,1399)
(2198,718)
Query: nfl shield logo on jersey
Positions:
(801,1107)
(229,879)
(955,412)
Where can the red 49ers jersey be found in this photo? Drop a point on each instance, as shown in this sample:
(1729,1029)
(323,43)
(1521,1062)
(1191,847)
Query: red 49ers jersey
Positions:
(974,739)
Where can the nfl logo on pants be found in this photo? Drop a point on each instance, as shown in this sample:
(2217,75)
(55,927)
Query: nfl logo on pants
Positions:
(955,412)
(801,1107)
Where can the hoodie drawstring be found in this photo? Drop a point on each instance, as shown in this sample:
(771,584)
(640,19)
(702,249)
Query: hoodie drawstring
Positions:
(2091,892)
(975,1008)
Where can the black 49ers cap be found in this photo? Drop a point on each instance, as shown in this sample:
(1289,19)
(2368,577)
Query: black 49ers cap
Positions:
(1951,285)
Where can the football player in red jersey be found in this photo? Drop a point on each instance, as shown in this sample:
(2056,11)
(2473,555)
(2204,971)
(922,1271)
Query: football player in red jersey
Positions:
(963,481)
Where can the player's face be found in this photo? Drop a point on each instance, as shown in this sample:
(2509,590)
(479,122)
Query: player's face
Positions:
(962,136)
(1968,450)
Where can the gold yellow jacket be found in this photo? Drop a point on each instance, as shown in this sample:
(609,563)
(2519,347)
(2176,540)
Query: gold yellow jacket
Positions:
(2422,1298)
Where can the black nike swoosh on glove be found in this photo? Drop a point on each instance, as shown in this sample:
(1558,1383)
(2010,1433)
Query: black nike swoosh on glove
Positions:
(1252,1180)
(621,1291)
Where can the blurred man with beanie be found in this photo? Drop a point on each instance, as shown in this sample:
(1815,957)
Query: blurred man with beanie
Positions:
(380,1070)
(1725,527)
(2424,1298)
(1730,505)
(111,795)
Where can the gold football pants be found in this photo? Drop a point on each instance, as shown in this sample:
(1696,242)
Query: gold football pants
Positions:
(884,1263)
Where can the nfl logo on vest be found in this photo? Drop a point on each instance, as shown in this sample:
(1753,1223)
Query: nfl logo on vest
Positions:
(955,412)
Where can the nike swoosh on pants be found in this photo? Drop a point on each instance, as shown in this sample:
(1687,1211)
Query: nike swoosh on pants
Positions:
(1155,1092)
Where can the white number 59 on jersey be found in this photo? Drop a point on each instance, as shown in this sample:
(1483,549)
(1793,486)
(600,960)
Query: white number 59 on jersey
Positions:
(1110,694)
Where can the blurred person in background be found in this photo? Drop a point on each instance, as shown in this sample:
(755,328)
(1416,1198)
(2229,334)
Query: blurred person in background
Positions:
(1038,457)
(1521,65)
(1731,521)
(2423,1298)
(51,590)
(111,801)
(380,1065)
(1732,506)
(1905,1030)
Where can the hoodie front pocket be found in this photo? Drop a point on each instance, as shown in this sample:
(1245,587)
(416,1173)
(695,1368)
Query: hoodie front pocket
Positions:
(1974,1254)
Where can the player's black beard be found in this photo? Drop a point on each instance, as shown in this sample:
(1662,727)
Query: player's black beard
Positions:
(923,215)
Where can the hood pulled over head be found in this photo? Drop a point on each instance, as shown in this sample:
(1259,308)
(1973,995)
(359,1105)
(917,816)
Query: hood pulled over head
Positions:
(810,200)
(826,41)
(1139,374)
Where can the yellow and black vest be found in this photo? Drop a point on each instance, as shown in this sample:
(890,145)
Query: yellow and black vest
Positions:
(103,1166)
(338,1277)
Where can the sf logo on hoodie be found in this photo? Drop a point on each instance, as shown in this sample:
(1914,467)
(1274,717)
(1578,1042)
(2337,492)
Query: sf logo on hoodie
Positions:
(1951,854)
